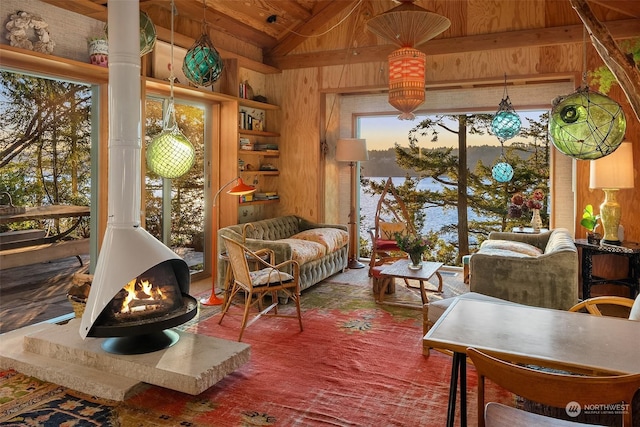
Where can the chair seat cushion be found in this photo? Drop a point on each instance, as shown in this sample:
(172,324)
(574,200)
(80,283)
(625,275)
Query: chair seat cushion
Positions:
(513,246)
(387,245)
(497,414)
(331,238)
(269,275)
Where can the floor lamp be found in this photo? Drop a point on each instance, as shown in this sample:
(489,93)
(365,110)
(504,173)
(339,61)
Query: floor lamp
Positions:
(240,189)
(352,150)
(611,173)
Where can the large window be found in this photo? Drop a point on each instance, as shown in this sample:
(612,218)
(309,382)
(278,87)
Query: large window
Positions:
(45,148)
(175,209)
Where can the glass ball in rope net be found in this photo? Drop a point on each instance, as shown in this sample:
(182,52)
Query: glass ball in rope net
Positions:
(586,125)
(502,172)
(170,154)
(506,124)
(147,34)
(202,64)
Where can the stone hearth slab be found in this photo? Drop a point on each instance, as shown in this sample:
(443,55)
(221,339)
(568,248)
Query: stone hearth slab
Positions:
(87,380)
(192,365)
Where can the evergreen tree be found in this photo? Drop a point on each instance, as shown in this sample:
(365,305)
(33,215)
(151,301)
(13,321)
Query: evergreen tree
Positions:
(464,189)
(46,140)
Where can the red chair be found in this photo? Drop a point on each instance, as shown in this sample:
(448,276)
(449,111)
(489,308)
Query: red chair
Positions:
(391,217)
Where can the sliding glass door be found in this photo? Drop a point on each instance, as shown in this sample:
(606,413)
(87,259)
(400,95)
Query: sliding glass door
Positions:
(175,208)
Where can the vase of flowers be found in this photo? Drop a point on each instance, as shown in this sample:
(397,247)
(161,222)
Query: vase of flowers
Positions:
(521,205)
(415,246)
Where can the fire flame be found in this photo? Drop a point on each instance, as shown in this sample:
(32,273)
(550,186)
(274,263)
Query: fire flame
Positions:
(147,292)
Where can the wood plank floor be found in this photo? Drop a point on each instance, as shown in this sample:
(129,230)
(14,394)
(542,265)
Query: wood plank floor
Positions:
(37,292)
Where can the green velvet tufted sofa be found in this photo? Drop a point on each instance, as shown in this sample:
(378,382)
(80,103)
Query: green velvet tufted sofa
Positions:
(533,269)
(320,249)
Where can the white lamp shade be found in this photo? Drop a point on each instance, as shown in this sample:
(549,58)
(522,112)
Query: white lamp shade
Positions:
(614,170)
(352,150)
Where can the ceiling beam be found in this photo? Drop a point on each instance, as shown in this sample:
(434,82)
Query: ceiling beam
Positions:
(626,7)
(506,40)
(221,22)
(313,25)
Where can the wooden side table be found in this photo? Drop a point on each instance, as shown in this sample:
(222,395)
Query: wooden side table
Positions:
(629,250)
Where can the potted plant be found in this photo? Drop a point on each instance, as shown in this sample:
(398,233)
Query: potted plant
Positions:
(590,222)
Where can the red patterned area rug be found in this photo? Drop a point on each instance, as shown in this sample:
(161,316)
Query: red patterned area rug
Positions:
(355,364)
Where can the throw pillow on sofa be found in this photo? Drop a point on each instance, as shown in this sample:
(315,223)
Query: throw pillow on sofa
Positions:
(513,246)
(305,251)
(331,238)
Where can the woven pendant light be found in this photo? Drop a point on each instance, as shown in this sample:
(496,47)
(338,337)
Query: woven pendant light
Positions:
(202,64)
(586,125)
(406,80)
(408,24)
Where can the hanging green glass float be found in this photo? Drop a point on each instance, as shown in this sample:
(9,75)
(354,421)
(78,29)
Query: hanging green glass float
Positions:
(202,64)
(502,172)
(147,34)
(586,125)
(506,123)
(170,154)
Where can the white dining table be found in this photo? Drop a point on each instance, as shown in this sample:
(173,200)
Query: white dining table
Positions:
(575,342)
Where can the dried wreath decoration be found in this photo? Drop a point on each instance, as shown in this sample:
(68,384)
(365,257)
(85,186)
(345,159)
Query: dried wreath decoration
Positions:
(18,26)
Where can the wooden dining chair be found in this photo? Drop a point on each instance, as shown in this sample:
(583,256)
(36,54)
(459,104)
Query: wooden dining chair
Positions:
(608,306)
(268,279)
(553,389)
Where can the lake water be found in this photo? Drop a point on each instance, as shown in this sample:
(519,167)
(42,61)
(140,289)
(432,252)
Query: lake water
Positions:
(436,217)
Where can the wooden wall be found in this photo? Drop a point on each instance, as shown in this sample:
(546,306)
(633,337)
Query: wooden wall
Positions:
(306,125)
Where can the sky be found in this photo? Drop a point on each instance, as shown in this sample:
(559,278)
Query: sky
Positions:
(382,132)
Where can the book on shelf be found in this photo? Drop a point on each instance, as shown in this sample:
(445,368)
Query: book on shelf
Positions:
(267,195)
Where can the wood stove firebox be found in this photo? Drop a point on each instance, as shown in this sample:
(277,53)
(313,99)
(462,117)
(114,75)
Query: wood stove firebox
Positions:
(138,318)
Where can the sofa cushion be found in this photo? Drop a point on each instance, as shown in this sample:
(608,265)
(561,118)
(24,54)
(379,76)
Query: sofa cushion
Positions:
(304,251)
(269,275)
(513,246)
(331,238)
(560,240)
(502,253)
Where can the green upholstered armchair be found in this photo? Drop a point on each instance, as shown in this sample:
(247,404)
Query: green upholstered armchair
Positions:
(533,269)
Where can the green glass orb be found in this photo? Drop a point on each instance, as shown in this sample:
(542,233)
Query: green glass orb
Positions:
(586,125)
(170,154)
(202,64)
(506,124)
(147,34)
(502,172)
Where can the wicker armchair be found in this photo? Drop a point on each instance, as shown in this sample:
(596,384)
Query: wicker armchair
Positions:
(267,280)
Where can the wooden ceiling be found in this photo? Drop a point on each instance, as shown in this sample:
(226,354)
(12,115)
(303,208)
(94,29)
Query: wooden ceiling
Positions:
(303,33)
